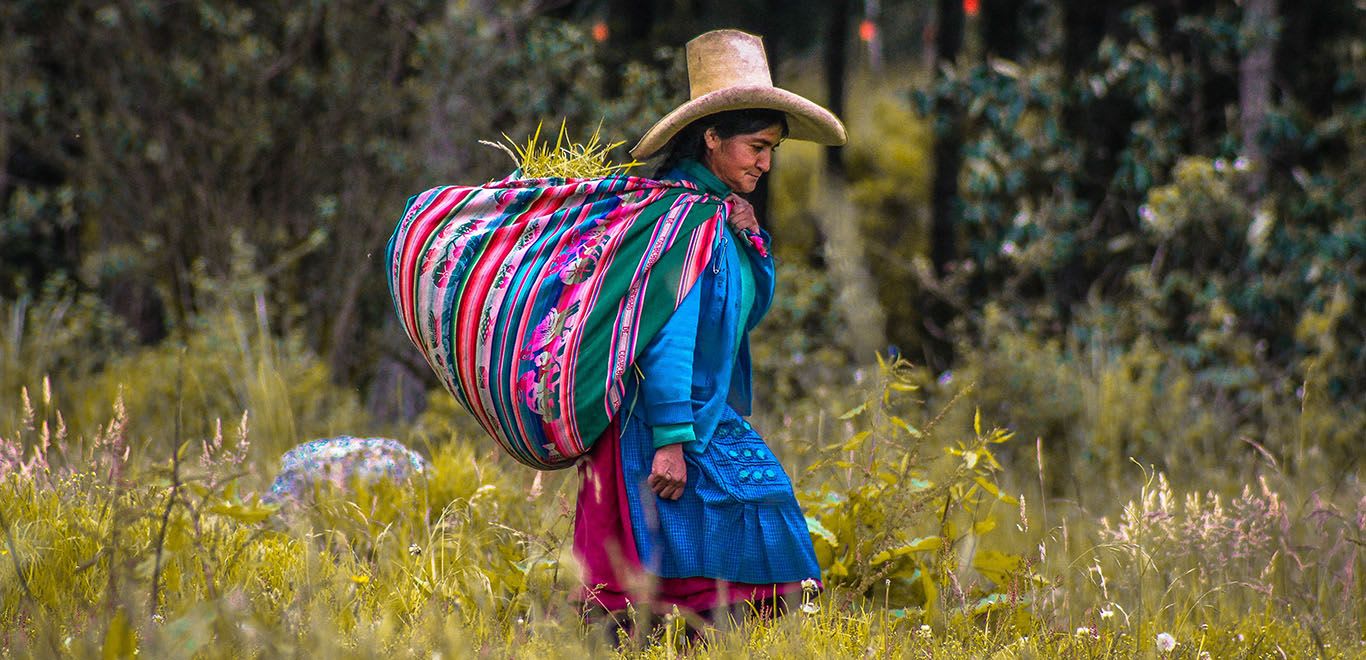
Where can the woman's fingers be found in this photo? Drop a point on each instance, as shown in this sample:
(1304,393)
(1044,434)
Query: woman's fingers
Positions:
(665,486)
(668,472)
(741,214)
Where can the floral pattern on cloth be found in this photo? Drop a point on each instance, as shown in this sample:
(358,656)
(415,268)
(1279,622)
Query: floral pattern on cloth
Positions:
(341,461)
(531,298)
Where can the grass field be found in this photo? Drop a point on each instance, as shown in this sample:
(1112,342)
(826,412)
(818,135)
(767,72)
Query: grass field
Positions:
(131,522)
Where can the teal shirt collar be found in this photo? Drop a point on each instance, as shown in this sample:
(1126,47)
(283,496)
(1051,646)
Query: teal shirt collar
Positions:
(692,171)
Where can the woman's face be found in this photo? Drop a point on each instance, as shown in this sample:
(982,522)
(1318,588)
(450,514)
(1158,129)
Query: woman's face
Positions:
(738,161)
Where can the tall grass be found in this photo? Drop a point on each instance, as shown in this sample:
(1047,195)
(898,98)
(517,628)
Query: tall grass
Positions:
(131,535)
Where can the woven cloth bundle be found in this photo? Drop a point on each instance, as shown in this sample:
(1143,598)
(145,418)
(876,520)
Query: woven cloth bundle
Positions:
(530,298)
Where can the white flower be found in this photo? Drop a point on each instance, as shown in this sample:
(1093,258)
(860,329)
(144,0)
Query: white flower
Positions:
(1107,613)
(924,629)
(809,584)
(1083,630)
(1165,642)
(810,607)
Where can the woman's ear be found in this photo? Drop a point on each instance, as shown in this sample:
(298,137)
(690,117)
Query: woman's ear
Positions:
(711,139)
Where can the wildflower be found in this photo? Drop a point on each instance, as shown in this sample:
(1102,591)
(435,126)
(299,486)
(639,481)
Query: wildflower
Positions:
(1165,642)
(946,378)
(1107,613)
(1009,248)
(924,629)
(1220,165)
(810,607)
(414,549)
(1241,164)
(1084,630)
(809,584)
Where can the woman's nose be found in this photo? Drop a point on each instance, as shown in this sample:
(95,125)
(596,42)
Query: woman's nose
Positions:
(765,160)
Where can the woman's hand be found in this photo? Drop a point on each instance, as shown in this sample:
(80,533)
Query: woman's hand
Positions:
(742,217)
(669,472)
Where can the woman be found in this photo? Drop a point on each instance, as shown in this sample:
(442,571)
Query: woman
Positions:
(682,503)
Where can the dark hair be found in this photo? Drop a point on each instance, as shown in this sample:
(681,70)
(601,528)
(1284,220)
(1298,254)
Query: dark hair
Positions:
(691,143)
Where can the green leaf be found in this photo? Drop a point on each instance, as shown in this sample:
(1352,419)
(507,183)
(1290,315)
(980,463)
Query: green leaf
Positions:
(905,426)
(917,483)
(855,412)
(815,527)
(984,525)
(997,566)
(856,442)
(996,492)
(246,512)
(998,601)
(921,544)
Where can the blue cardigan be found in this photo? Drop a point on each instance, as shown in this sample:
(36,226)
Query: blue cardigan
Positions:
(699,362)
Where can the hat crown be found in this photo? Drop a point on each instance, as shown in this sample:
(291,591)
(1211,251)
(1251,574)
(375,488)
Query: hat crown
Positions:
(726,58)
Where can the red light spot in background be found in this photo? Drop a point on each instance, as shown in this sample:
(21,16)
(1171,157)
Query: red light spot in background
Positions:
(867,30)
(600,31)
(972,7)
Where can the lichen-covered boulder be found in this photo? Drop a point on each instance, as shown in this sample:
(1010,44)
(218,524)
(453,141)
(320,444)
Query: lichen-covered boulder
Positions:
(342,461)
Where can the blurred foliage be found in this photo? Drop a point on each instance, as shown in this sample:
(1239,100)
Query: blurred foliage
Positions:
(1118,191)
(1096,405)
(1113,249)
(229,365)
(138,139)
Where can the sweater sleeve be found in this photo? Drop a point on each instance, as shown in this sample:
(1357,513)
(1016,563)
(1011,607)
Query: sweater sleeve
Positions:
(666,366)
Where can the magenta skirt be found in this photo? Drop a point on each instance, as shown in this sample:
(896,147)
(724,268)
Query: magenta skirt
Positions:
(611,571)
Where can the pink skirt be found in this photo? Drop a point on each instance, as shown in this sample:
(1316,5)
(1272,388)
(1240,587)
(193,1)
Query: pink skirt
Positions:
(604,543)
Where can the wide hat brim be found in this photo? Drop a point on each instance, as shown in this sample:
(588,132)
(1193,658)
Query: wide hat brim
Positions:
(805,119)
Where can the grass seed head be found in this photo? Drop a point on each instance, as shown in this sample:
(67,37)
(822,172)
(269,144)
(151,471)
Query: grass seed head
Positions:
(565,159)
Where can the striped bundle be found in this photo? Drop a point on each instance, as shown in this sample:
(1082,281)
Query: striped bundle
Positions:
(530,298)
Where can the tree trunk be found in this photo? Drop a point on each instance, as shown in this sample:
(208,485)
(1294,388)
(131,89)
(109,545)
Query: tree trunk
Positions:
(945,206)
(1254,87)
(836,57)
(1001,34)
(947,144)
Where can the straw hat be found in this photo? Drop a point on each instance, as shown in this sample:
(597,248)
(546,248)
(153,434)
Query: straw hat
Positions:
(728,70)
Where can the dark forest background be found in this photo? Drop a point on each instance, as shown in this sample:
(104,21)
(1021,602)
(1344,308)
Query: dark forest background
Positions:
(1159,201)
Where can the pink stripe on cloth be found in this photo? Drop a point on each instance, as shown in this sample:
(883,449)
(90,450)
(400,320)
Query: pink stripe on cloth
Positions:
(611,573)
